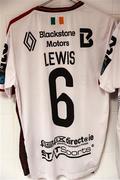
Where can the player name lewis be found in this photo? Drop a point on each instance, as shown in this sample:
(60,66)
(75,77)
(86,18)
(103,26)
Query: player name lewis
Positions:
(62,57)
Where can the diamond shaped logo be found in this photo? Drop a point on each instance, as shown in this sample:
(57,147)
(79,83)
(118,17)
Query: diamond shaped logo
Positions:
(30,41)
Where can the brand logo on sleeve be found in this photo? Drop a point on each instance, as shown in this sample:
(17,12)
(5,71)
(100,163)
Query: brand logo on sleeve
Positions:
(109,53)
(30,41)
(59,20)
(3,64)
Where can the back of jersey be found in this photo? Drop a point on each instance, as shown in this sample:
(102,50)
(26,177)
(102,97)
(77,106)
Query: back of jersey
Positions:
(54,61)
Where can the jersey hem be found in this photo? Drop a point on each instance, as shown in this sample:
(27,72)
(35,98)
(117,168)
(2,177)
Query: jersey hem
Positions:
(106,89)
(72,176)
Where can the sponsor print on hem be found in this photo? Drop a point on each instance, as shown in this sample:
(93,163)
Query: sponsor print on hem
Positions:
(65,146)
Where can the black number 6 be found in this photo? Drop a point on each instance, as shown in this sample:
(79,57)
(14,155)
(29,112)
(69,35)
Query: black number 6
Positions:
(63,97)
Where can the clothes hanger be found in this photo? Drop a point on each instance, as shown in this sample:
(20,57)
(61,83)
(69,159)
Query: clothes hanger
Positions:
(47,2)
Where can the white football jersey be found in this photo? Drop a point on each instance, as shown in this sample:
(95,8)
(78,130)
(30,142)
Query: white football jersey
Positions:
(110,79)
(53,57)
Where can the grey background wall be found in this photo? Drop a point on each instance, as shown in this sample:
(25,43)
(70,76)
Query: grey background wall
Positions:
(10,168)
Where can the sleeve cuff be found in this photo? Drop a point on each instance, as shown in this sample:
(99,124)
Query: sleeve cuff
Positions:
(106,87)
(2,88)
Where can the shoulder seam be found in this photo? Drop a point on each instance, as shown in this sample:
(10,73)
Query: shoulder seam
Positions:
(18,18)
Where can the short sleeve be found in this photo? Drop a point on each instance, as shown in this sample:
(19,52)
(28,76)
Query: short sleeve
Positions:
(110,74)
(7,68)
